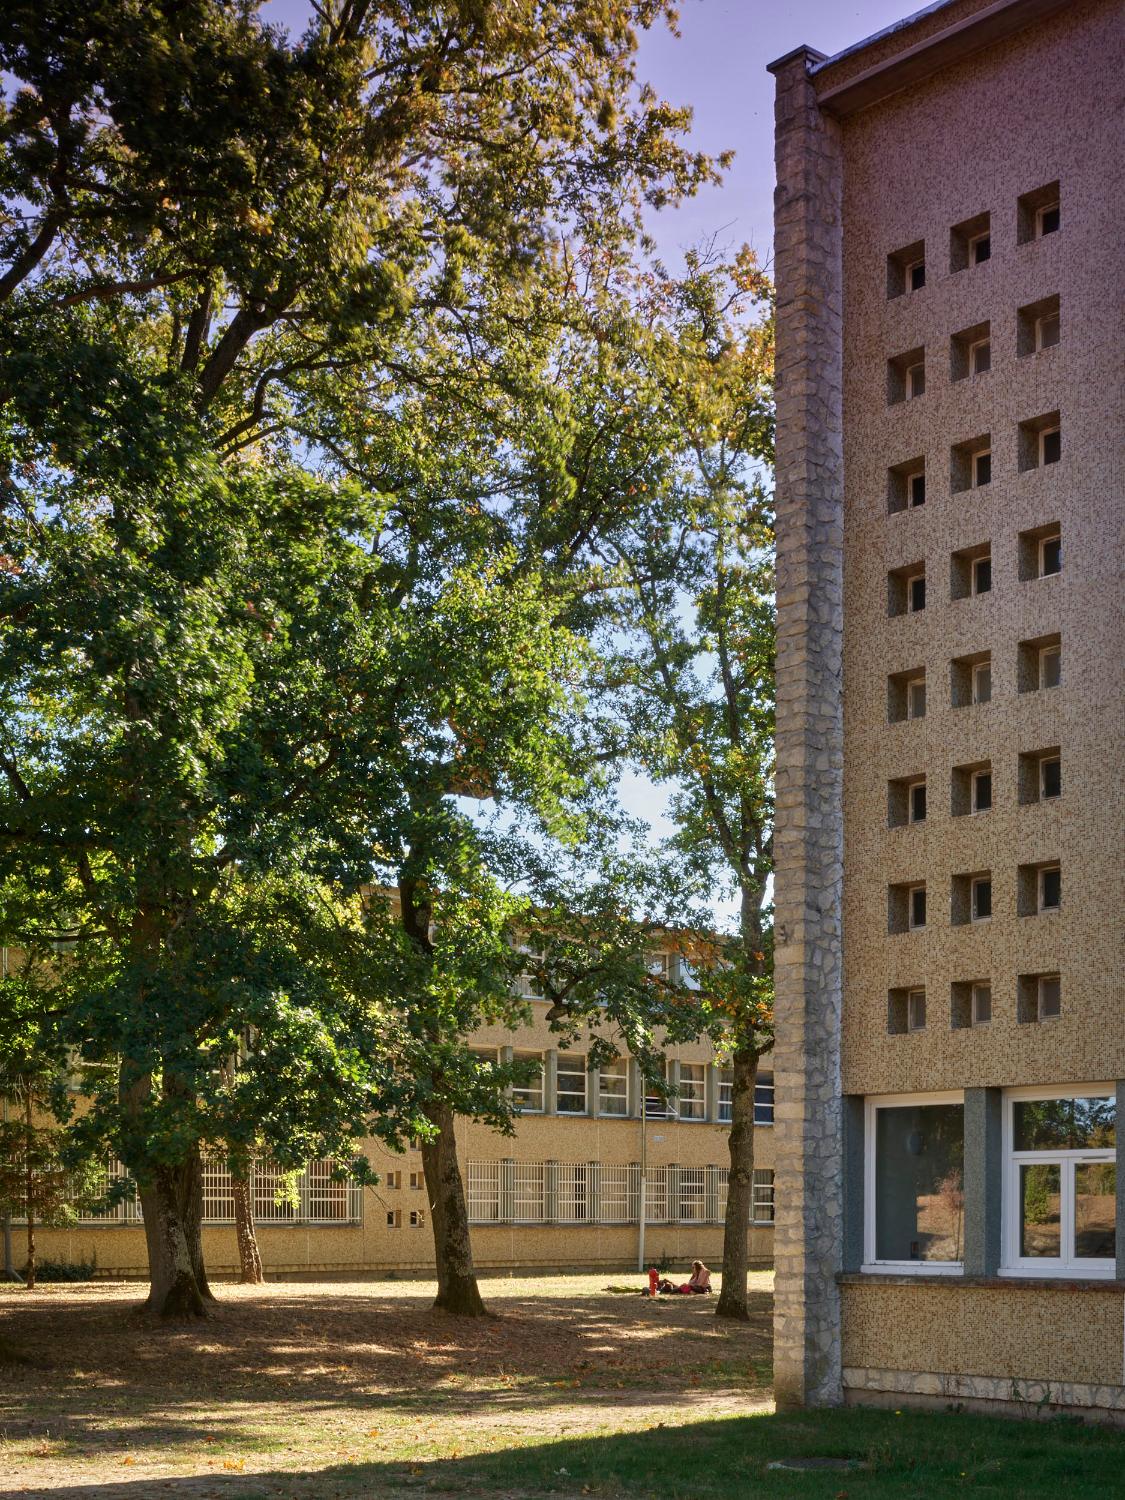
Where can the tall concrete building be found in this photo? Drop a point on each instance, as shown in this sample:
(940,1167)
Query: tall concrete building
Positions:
(951,814)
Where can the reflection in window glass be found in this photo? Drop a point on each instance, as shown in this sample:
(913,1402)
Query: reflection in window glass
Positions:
(1066,1124)
(919,1202)
(1040,1210)
(1095,1210)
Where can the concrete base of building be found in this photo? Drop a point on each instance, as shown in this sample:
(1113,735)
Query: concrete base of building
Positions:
(995,1395)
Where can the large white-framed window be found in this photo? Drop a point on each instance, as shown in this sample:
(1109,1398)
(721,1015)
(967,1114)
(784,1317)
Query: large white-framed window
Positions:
(693,1091)
(761,1210)
(1060,1181)
(613,1088)
(570,1084)
(914,1196)
(725,1095)
(528,1097)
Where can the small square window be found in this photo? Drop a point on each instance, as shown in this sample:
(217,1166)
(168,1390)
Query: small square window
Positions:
(906,269)
(970,243)
(1039,998)
(971,788)
(1040,664)
(971,679)
(906,486)
(982,791)
(1050,777)
(916,1010)
(906,376)
(1040,442)
(970,571)
(393,1180)
(970,898)
(1050,888)
(906,590)
(906,801)
(417,1181)
(906,696)
(917,907)
(982,1004)
(971,463)
(970,352)
(1049,997)
(394,1218)
(1040,552)
(417,1218)
(1046,331)
(1038,213)
(1038,326)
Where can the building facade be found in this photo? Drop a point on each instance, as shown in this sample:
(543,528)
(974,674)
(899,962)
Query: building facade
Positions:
(951,682)
(562,1193)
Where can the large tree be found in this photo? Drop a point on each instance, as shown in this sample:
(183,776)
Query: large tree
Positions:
(231,257)
(691,673)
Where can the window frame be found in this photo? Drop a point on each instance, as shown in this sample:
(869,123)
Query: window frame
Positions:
(617,1069)
(1040,879)
(917,784)
(974,781)
(762,1193)
(975,1018)
(1040,342)
(1043,763)
(908,689)
(571,1073)
(911,891)
(518,1090)
(1067,1267)
(871,1104)
(1054,207)
(1055,538)
(692,1101)
(909,582)
(908,274)
(975,241)
(724,1094)
(911,502)
(979,668)
(915,1011)
(914,380)
(1048,653)
(764,1082)
(1040,981)
(974,882)
(973,352)
(985,560)
(1044,434)
(974,461)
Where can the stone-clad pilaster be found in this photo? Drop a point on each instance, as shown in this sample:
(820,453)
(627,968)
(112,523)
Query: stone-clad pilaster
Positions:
(808,1237)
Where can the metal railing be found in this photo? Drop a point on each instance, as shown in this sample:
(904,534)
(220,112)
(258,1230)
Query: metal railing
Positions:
(312,1196)
(555,1192)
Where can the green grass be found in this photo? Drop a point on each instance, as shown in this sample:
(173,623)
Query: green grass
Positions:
(911,1454)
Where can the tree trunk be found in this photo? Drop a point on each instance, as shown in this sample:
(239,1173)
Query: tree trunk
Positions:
(172,1203)
(29,1193)
(249,1257)
(740,1186)
(457,1282)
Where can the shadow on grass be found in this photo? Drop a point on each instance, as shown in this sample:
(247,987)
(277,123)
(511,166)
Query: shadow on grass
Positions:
(930,1455)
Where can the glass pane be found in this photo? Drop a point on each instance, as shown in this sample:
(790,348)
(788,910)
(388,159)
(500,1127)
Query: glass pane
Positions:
(918,1192)
(1095,1210)
(1040,1223)
(1066,1124)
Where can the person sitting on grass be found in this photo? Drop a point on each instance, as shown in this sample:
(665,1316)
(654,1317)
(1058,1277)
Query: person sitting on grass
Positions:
(698,1282)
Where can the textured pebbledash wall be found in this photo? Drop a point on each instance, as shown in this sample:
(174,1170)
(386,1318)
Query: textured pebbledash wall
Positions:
(809,832)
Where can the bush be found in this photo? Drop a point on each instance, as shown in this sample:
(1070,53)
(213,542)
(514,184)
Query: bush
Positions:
(64,1270)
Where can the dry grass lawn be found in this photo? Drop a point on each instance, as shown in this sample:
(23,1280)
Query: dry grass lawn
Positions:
(311,1388)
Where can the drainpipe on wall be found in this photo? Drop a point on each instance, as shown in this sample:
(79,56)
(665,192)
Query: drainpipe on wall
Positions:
(641,1197)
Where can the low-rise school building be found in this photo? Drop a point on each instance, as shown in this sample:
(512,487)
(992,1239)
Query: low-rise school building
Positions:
(562,1193)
